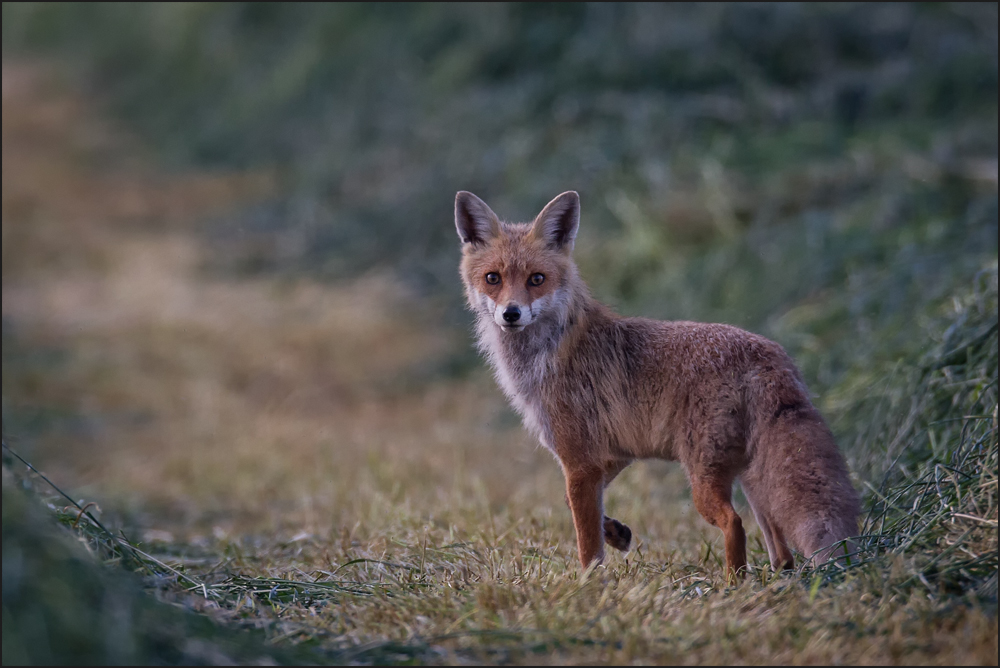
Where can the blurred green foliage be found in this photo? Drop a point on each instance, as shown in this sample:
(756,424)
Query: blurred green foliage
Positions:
(731,132)
(823,174)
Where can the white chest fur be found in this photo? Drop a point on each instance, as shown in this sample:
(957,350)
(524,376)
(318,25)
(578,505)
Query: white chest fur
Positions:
(521,367)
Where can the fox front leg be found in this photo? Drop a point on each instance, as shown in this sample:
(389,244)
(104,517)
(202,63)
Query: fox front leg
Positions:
(584,489)
(616,534)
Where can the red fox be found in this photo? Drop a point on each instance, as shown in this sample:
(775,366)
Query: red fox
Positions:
(600,391)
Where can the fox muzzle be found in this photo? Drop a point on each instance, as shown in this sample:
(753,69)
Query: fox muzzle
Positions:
(511,314)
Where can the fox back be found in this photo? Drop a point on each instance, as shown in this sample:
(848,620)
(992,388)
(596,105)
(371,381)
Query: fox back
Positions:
(600,391)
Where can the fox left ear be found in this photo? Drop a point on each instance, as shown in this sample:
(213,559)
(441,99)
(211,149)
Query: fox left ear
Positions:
(559,221)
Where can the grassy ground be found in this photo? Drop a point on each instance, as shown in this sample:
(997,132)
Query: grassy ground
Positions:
(294,447)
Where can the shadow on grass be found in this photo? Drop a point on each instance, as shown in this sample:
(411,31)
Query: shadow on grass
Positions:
(60,606)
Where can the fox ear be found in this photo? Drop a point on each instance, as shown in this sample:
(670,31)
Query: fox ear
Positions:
(476,222)
(559,221)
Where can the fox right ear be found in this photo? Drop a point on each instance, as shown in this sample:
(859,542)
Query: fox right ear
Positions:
(476,222)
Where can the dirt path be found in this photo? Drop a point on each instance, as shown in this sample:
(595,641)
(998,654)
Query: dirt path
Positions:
(185,392)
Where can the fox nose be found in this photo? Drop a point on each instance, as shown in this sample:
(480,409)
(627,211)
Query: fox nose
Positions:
(511,314)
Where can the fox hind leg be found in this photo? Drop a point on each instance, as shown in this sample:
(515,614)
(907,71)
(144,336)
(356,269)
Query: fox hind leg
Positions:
(785,559)
(777,549)
(713,500)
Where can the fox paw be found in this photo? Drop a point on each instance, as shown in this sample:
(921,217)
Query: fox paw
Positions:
(616,534)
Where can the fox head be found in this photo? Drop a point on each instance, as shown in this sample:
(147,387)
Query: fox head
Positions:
(517,273)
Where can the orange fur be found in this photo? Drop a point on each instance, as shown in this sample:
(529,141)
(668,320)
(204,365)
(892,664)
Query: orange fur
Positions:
(601,391)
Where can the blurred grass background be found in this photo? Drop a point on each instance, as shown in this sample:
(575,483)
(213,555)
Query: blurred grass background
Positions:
(738,163)
(231,307)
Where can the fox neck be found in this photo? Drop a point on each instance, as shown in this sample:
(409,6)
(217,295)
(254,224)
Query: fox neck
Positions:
(525,359)
(525,362)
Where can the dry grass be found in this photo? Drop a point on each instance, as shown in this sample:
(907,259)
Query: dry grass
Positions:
(262,436)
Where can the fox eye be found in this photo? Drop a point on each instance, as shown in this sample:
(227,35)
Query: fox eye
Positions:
(493,278)
(537,279)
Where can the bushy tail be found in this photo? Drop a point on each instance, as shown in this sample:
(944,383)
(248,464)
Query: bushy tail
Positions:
(797,475)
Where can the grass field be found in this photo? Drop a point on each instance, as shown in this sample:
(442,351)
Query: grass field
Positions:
(299,457)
